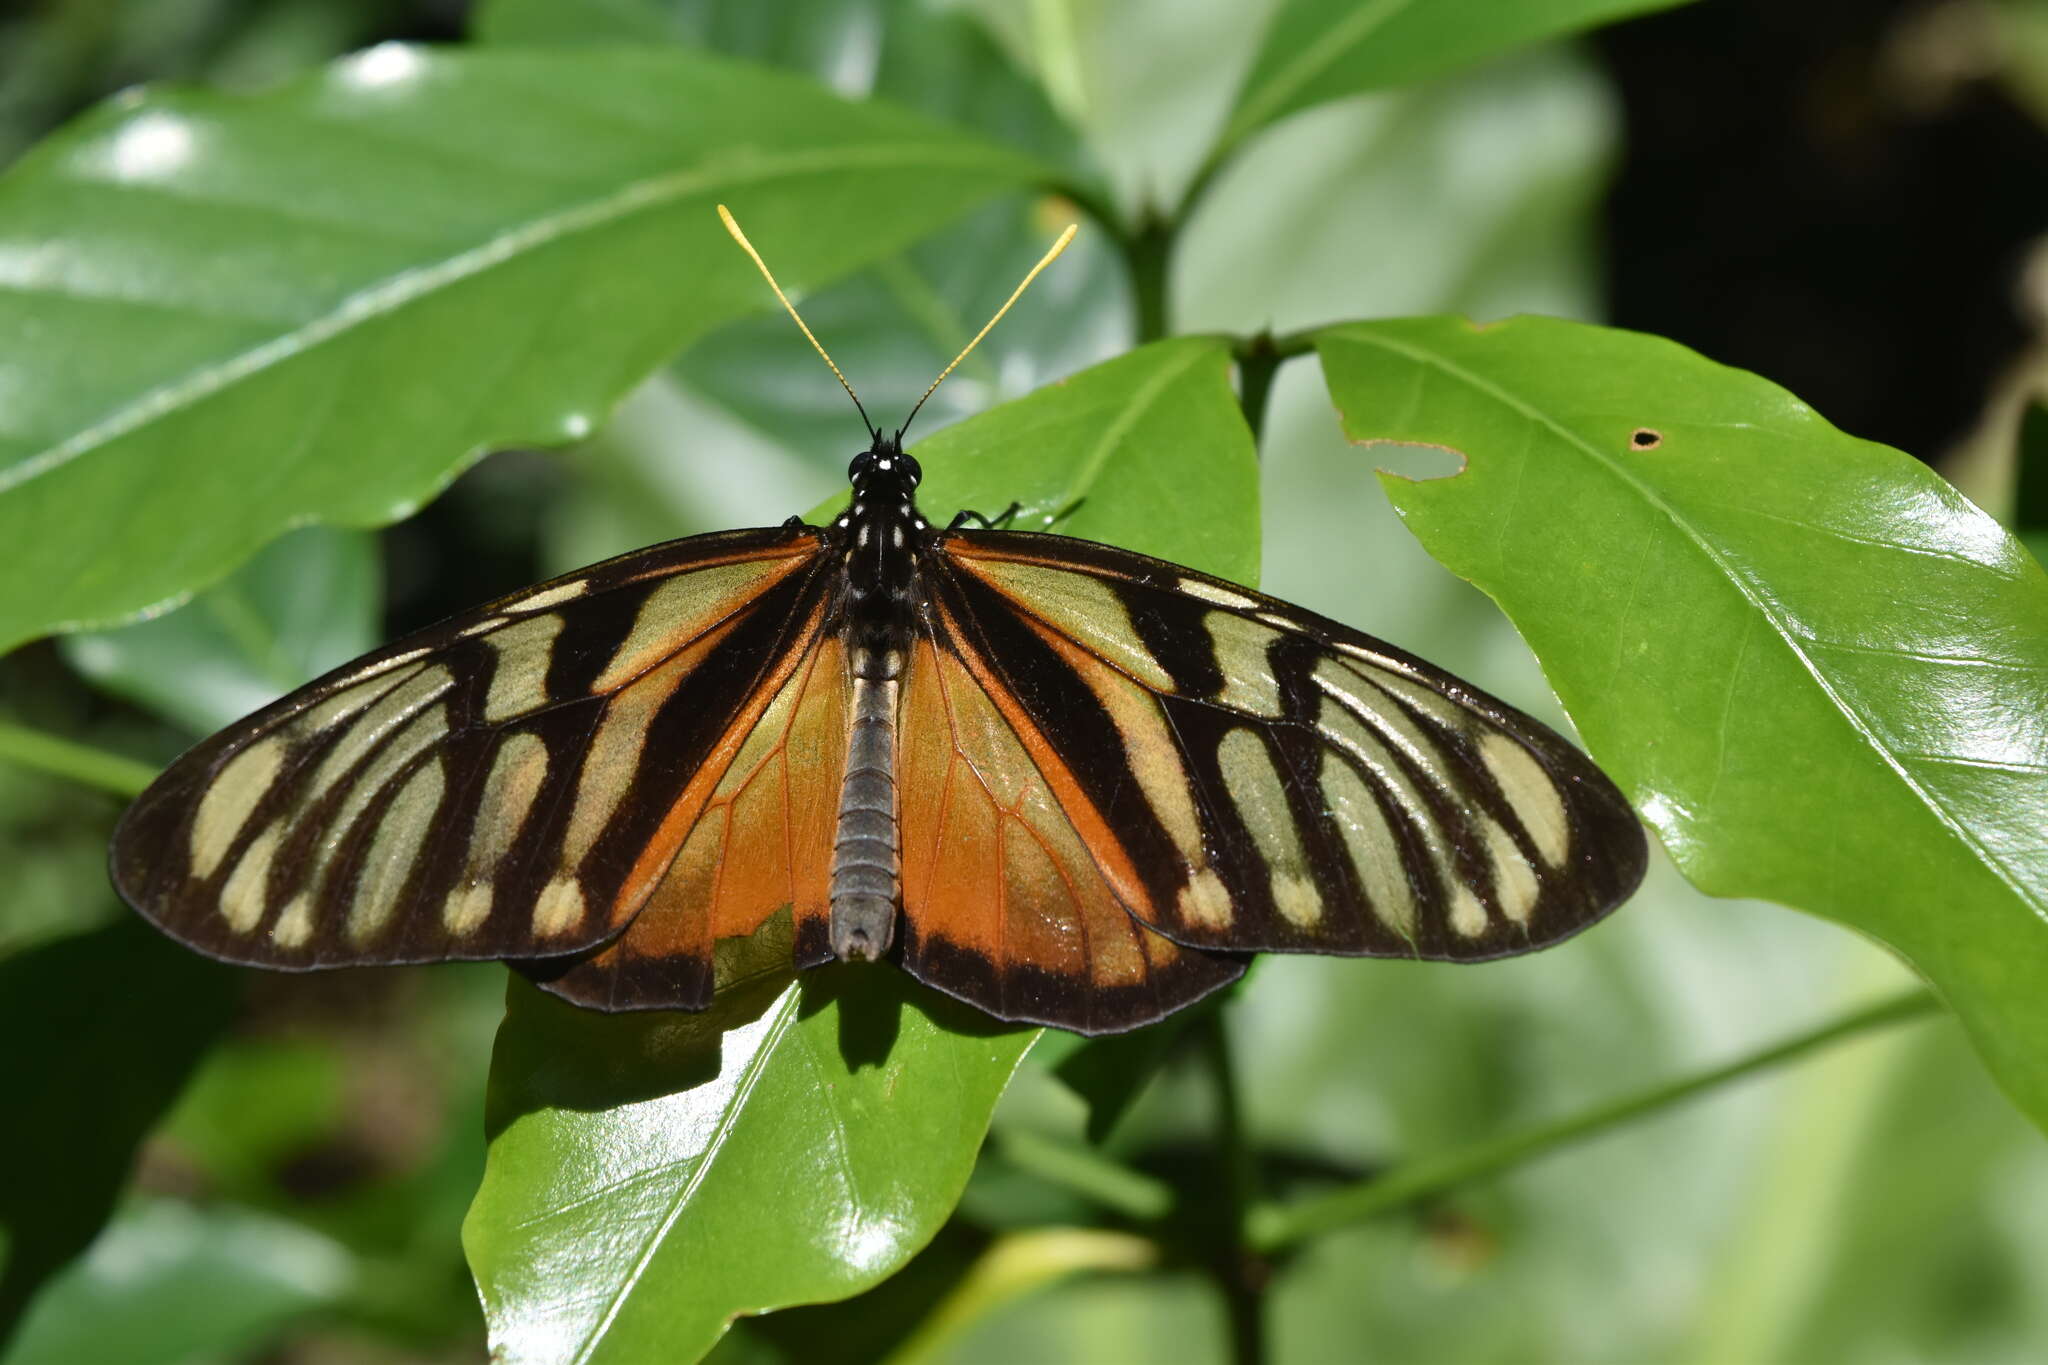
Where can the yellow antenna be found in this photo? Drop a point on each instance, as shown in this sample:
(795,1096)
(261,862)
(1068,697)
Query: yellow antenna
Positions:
(1015,294)
(732,226)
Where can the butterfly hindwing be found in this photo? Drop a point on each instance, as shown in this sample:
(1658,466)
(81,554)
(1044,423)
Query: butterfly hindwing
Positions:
(759,843)
(1265,779)
(488,788)
(1007,901)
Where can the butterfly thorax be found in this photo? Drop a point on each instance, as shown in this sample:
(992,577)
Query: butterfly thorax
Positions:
(877,538)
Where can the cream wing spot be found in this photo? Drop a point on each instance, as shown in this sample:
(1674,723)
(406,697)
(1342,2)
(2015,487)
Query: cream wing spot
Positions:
(1221,596)
(1149,750)
(229,802)
(466,908)
(610,764)
(1298,900)
(245,897)
(1530,791)
(295,924)
(552,597)
(676,613)
(1382,662)
(1468,916)
(1241,653)
(396,755)
(1205,901)
(1085,608)
(378,721)
(519,681)
(561,907)
(1370,842)
(1261,797)
(378,670)
(1377,711)
(518,771)
(401,830)
(1344,732)
(1515,885)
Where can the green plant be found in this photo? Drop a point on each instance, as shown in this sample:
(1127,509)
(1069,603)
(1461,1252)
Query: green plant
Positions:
(1811,664)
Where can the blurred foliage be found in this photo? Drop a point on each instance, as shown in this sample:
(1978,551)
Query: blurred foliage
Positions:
(302,1200)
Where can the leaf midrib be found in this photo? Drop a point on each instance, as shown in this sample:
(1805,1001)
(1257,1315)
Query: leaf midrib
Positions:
(1314,59)
(736,1103)
(394,293)
(1759,603)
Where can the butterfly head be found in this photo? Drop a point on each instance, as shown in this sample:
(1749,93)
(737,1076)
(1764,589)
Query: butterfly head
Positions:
(884,466)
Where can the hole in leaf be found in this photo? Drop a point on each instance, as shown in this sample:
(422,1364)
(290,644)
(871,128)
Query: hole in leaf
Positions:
(1644,438)
(1417,461)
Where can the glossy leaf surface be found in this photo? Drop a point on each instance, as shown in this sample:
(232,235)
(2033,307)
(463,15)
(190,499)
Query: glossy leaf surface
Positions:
(1317,50)
(654,1175)
(1148,451)
(651,1176)
(307,602)
(318,302)
(1815,668)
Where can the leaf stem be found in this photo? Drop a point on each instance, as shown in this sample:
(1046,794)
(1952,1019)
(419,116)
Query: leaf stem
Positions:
(1273,1227)
(1149,252)
(1258,359)
(1114,1186)
(1239,1267)
(68,758)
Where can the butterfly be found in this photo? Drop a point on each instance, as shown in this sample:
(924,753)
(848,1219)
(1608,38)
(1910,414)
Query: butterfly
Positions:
(1066,783)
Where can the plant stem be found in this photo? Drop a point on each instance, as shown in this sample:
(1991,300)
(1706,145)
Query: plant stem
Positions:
(1258,360)
(79,762)
(1240,1269)
(1257,363)
(1274,1227)
(1149,252)
(1116,1187)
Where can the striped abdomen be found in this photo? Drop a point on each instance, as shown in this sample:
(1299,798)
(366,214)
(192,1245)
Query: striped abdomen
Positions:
(865,864)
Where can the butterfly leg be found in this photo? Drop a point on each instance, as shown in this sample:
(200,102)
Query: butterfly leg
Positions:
(1001,521)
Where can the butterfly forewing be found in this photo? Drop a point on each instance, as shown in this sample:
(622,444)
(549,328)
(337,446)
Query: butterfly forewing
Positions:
(489,788)
(1259,778)
(1113,779)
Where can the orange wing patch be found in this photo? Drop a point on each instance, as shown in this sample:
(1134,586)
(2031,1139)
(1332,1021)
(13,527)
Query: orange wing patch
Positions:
(760,844)
(1009,876)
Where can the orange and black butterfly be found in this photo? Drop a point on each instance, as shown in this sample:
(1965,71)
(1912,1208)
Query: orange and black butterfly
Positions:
(1066,783)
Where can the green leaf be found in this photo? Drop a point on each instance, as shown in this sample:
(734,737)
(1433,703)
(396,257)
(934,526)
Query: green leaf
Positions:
(53,848)
(1105,454)
(318,303)
(1318,50)
(935,59)
(102,1030)
(2030,480)
(652,1176)
(306,603)
(1479,195)
(170,1284)
(892,327)
(582,22)
(1814,667)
